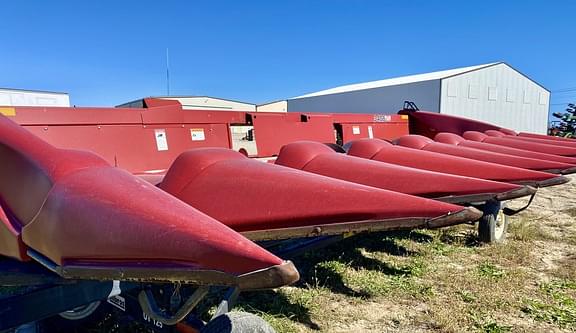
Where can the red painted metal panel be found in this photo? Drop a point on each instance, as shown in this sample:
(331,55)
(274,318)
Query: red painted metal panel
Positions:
(532,146)
(272,131)
(76,209)
(75,116)
(179,116)
(547,137)
(359,126)
(455,139)
(431,123)
(385,131)
(424,143)
(531,139)
(343,118)
(11,244)
(134,147)
(386,152)
(155,102)
(320,159)
(262,196)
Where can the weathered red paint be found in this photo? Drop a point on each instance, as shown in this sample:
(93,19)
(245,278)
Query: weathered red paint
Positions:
(431,123)
(380,150)
(249,195)
(506,141)
(454,139)
(320,159)
(424,143)
(532,139)
(547,137)
(72,206)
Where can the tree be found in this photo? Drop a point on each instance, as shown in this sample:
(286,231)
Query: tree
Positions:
(566,125)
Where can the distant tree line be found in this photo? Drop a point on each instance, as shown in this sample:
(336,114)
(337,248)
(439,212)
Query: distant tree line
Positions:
(566,125)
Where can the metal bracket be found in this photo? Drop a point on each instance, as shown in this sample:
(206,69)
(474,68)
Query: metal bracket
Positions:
(228,302)
(510,211)
(149,306)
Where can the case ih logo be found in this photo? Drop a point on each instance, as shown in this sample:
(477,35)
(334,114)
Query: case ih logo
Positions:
(381,118)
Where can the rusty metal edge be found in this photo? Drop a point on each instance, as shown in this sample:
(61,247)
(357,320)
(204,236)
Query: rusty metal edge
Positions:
(267,278)
(463,216)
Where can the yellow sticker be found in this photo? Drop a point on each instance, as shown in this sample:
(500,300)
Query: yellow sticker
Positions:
(348,234)
(11,112)
(404,116)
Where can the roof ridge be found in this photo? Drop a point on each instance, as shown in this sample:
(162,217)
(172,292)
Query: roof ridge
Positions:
(436,75)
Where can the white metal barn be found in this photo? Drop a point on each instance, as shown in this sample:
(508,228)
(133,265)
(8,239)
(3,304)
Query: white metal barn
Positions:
(19,97)
(495,93)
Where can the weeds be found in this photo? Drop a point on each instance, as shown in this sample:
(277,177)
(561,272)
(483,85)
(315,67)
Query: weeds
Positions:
(558,307)
(488,270)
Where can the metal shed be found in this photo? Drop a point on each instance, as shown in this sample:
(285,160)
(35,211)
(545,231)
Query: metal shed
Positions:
(494,92)
(21,97)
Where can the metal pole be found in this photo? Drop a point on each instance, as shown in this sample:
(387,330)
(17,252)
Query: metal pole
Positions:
(167,73)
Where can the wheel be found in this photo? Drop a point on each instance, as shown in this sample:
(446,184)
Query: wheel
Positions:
(238,322)
(80,312)
(493,225)
(75,320)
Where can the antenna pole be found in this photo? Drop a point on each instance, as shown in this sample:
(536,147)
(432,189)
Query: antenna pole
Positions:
(167,73)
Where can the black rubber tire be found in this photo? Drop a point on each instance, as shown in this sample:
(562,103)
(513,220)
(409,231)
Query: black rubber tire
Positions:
(493,225)
(238,322)
(94,313)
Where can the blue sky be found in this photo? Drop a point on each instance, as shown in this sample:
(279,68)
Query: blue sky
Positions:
(109,52)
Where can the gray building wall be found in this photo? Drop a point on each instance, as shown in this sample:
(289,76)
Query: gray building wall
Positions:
(499,95)
(383,100)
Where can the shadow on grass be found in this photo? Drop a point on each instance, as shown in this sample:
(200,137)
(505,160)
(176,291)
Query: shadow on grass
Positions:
(319,267)
(386,242)
(467,239)
(276,304)
(348,252)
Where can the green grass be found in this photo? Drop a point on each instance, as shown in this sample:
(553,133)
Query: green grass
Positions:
(558,306)
(489,270)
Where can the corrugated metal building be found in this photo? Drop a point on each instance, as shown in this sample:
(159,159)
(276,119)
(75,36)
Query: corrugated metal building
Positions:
(495,92)
(20,97)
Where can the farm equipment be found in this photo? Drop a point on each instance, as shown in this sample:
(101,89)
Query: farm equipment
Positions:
(430,124)
(380,150)
(454,139)
(513,142)
(144,210)
(74,222)
(268,202)
(424,143)
(321,159)
(80,231)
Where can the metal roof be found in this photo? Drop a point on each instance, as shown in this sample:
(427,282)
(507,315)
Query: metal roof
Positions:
(398,80)
(204,96)
(34,91)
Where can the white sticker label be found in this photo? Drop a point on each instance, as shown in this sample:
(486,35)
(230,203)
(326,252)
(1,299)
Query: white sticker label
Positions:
(370,133)
(355,129)
(118,301)
(197,134)
(161,139)
(115,289)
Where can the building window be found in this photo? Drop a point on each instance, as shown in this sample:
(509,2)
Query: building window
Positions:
(452,90)
(510,95)
(472,91)
(542,98)
(492,93)
(526,98)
